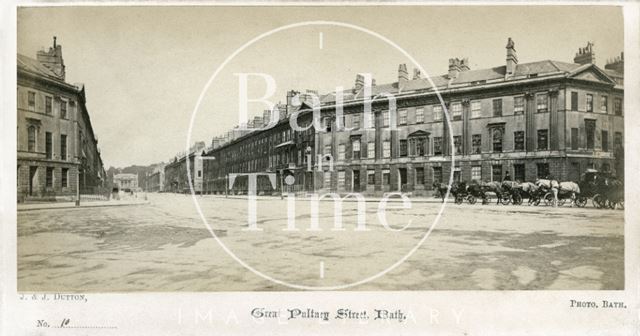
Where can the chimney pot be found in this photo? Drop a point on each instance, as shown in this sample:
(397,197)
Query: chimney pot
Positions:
(416,73)
(585,55)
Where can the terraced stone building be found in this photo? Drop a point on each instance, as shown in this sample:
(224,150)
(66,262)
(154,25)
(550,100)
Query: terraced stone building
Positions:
(526,120)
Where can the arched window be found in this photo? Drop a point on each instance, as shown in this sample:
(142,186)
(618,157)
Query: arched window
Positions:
(497,140)
(31,133)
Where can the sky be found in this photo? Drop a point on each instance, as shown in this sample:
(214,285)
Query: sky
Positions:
(144,68)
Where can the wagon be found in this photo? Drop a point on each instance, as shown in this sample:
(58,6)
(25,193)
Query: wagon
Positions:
(604,189)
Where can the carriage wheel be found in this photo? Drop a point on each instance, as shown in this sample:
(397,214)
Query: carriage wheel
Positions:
(459,199)
(486,199)
(548,199)
(581,201)
(471,199)
(505,200)
(598,201)
(517,199)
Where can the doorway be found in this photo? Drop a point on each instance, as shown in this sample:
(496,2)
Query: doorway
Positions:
(356,180)
(403,177)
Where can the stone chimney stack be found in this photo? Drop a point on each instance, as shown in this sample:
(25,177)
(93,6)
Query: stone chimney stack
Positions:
(416,73)
(464,64)
(403,75)
(616,64)
(585,55)
(454,68)
(52,59)
(359,82)
(512,58)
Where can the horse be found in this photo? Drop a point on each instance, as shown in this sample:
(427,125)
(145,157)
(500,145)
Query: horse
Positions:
(495,187)
(548,185)
(570,187)
(513,189)
(531,190)
(442,188)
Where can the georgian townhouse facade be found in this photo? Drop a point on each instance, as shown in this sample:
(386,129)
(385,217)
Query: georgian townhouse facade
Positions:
(57,150)
(518,120)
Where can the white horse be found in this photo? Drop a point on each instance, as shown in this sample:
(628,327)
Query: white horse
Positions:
(551,185)
(570,187)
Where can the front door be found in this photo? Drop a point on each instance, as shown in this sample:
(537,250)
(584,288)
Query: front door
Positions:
(403,177)
(32,179)
(356,180)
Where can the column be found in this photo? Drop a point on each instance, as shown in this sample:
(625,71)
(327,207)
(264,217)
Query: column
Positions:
(466,136)
(530,121)
(553,119)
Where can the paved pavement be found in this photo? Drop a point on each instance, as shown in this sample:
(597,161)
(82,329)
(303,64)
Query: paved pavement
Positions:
(164,246)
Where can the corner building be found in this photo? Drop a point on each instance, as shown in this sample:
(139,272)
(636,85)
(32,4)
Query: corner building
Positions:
(57,150)
(525,120)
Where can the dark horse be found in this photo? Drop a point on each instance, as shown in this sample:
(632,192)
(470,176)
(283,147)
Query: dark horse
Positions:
(495,187)
(456,187)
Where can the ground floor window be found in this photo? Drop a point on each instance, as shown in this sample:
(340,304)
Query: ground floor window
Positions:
(386,177)
(476,173)
(49,177)
(65,177)
(437,174)
(420,175)
(496,173)
(574,172)
(518,172)
(456,175)
(543,170)
(371,177)
(341,175)
(327,179)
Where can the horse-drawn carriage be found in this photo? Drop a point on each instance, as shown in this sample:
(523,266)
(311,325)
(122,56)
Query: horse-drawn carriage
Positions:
(470,192)
(461,191)
(604,189)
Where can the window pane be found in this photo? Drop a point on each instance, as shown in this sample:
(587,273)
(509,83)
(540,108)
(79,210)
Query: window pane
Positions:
(542,140)
(456,111)
(403,148)
(497,107)
(419,115)
(542,101)
(476,142)
(437,146)
(386,149)
(402,117)
(476,173)
(518,105)
(476,109)
(437,112)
